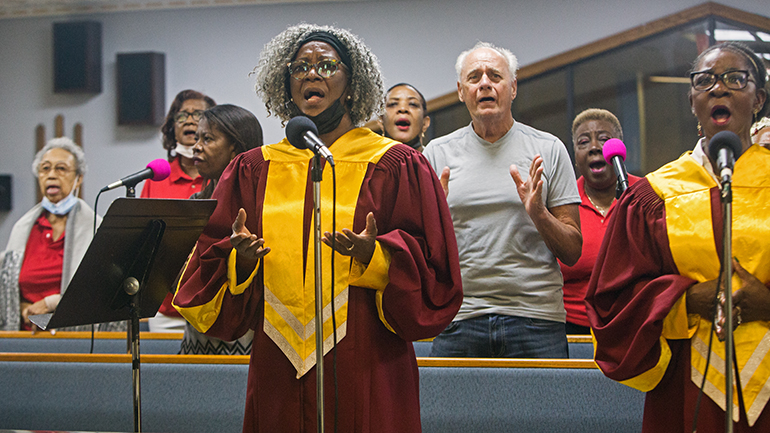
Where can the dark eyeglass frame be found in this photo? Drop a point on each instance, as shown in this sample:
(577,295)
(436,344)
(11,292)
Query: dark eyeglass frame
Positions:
(733,85)
(320,68)
(182,116)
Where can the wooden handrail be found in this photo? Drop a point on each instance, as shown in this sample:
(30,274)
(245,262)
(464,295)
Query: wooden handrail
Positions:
(87,335)
(619,39)
(244,360)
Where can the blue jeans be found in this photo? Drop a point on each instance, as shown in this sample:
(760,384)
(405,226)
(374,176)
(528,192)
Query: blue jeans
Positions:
(497,336)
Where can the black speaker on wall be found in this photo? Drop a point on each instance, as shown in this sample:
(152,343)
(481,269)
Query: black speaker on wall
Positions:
(77,57)
(5,192)
(141,88)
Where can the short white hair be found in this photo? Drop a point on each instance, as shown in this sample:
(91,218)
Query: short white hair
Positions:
(67,144)
(513,63)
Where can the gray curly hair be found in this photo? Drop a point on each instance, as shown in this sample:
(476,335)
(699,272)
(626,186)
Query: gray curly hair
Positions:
(66,144)
(366,84)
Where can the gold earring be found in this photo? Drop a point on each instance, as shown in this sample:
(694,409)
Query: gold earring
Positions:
(700,130)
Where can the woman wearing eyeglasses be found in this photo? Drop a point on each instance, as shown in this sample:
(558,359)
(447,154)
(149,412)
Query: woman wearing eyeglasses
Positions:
(396,269)
(49,241)
(178,133)
(653,295)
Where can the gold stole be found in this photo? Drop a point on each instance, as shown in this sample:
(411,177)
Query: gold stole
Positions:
(289,276)
(684,186)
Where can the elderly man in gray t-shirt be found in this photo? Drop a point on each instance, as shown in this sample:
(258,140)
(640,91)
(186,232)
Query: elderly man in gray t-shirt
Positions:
(514,202)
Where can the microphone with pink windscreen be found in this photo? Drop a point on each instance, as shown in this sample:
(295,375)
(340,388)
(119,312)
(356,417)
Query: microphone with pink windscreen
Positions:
(614,152)
(156,170)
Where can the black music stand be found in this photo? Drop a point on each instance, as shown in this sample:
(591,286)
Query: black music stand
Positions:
(118,280)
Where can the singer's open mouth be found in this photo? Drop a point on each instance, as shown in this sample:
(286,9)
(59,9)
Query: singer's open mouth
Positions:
(313,93)
(720,115)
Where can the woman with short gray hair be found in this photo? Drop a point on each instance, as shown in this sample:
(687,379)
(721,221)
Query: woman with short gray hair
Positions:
(49,241)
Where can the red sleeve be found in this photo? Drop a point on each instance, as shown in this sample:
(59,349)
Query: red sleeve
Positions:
(414,223)
(634,285)
(206,271)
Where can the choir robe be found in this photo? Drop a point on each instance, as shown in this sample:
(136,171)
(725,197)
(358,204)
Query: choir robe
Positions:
(636,297)
(376,369)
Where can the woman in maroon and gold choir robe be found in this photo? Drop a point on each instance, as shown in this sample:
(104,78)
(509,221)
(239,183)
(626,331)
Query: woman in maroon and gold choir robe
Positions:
(651,297)
(397,275)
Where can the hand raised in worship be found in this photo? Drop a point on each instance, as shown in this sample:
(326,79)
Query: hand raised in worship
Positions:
(359,246)
(444,179)
(752,300)
(531,190)
(250,248)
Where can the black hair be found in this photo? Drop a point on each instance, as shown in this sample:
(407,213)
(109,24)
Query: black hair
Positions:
(239,125)
(422,98)
(757,69)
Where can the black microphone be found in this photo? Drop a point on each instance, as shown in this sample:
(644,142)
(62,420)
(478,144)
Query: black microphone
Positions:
(156,170)
(303,134)
(614,152)
(724,148)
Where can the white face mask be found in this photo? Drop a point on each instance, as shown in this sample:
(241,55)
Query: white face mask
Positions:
(183,150)
(63,207)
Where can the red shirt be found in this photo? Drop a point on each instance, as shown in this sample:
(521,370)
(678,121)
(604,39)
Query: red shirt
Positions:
(40,273)
(592,225)
(177,185)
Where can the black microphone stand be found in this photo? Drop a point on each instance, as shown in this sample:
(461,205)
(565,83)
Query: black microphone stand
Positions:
(316,174)
(727,269)
(131,286)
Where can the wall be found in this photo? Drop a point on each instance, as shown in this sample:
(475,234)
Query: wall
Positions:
(214,49)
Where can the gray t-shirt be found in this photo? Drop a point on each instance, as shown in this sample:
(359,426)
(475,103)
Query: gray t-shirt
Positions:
(506,267)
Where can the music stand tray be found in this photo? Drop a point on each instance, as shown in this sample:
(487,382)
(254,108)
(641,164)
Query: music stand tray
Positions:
(130,266)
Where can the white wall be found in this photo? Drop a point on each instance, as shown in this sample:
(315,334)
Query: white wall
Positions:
(214,49)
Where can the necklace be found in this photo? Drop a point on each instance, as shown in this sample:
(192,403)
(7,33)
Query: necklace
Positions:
(602,210)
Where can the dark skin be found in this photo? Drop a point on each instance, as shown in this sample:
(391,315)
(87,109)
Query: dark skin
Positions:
(312,95)
(751,301)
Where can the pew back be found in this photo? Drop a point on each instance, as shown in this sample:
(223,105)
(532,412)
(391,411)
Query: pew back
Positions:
(199,394)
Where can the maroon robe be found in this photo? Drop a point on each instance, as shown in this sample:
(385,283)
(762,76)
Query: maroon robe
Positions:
(377,375)
(634,286)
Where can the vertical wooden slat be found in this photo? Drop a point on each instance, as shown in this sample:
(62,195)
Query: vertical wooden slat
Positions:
(77,134)
(59,126)
(77,137)
(39,143)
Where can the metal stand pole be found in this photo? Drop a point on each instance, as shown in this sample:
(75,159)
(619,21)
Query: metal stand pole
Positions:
(316,175)
(727,268)
(135,363)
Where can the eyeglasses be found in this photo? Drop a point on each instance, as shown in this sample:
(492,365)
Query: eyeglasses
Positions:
(325,68)
(704,80)
(182,116)
(60,169)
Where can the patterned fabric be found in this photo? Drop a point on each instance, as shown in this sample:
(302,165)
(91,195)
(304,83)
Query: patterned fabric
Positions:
(10,265)
(195,343)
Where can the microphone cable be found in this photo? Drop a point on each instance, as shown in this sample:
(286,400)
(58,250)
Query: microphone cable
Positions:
(708,360)
(708,355)
(334,311)
(93,235)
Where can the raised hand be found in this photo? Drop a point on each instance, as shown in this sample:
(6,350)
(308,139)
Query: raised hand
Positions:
(530,190)
(444,179)
(359,246)
(250,248)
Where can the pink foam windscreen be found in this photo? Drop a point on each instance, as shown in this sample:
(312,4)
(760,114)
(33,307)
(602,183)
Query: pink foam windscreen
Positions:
(613,147)
(160,169)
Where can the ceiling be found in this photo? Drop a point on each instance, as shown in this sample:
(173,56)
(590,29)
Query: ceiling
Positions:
(38,8)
